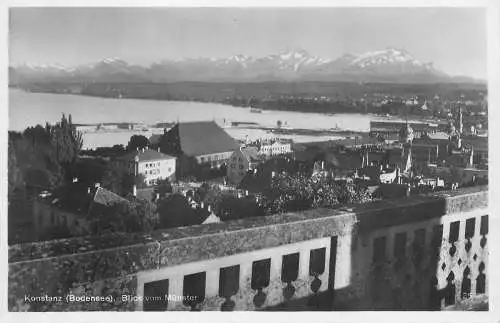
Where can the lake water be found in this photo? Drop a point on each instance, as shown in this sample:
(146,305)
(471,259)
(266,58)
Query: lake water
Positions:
(28,109)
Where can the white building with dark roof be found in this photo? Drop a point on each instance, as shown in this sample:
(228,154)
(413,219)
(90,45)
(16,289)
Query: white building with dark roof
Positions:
(153,164)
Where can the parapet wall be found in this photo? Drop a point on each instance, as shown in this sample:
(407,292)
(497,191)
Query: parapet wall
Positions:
(314,259)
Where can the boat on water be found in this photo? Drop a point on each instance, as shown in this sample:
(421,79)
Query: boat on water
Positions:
(255,110)
(336,128)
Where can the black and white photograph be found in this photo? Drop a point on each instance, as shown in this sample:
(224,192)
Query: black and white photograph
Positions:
(269,159)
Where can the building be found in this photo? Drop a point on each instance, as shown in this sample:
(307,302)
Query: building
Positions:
(271,148)
(241,161)
(387,128)
(388,175)
(198,146)
(72,207)
(152,164)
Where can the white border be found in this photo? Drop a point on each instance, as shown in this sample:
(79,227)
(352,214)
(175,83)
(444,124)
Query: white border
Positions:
(493,315)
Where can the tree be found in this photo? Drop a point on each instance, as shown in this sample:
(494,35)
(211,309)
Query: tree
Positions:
(175,211)
(233,208)
(163,187)
(56,232)
(300,192)
(279,124)
(88,170)
(137,141)
(66,140)
(135,215)
(14,173)
(118,180)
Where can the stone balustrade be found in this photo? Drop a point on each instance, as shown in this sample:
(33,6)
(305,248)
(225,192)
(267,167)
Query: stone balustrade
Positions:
(423,252)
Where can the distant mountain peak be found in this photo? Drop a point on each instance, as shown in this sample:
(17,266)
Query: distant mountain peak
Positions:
(389,64)
(113,60)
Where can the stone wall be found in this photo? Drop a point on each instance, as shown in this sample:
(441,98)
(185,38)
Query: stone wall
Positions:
(328,256)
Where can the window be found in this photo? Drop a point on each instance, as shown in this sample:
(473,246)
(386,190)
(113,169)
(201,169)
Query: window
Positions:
(229,281)
(454,231)
(400,245)
(260,273)
(379,249)
(290,267)
(155,296)
(194,289)
(470,226)
(484,225)
(317,261)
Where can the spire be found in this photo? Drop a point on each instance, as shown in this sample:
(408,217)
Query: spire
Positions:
(406,116)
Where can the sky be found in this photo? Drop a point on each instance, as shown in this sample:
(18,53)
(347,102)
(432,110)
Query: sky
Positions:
(454,39)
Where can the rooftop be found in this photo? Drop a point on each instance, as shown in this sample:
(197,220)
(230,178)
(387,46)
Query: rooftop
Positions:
(148,155)
(203,138)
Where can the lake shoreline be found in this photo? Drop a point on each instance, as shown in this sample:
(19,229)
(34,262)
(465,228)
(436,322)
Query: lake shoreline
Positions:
(382,116)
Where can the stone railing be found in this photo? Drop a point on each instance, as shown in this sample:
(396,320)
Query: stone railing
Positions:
(422,252)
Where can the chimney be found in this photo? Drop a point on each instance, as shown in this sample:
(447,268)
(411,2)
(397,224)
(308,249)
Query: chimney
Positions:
(137,148)
(273,174)
(88,190)
(97,185)
(209,209)
(246,192)
(143,149)
(157,196)
(203,205)
(158,149)
(134,190)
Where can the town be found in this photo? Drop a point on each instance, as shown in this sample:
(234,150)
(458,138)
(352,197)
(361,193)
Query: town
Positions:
(248,159)
(206,176)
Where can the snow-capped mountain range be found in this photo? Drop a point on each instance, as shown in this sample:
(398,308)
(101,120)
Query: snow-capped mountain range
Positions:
(389,65)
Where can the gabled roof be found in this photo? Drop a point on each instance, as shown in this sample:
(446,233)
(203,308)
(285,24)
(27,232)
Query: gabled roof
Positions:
(438,136)
(212,218)
(203,138)
(107,198)
(147,155)
(78,199)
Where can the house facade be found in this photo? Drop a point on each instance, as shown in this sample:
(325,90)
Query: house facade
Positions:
(275,148)
(241,161)
(152,164)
